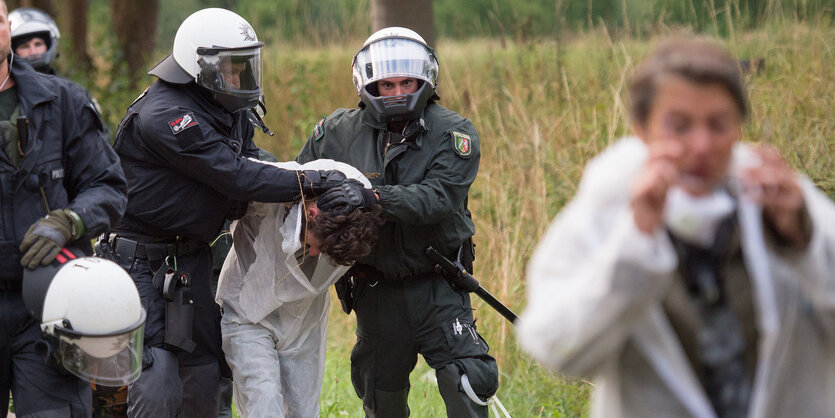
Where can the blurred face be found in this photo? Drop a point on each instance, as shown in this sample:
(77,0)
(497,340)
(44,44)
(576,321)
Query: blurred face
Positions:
(5,32)
(231,73)
(34,46)
(705,120)
(396,86)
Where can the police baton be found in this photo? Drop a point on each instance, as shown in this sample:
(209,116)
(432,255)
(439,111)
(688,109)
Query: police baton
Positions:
(459,276)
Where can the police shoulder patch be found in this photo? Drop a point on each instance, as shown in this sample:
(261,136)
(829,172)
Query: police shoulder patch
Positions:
(183,122)
(462,144)
(319,130)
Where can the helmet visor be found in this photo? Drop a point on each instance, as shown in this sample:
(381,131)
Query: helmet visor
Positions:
(236,72)
(394,57)
(112,360)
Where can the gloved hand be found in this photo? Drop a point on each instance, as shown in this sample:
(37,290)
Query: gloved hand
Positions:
(45,238)
(316,182)
(346,197)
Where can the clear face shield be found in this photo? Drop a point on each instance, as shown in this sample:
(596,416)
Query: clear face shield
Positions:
(232,75)
(394,57)
(114,359)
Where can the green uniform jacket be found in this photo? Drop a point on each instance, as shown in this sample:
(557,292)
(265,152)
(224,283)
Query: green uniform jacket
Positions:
(422,184)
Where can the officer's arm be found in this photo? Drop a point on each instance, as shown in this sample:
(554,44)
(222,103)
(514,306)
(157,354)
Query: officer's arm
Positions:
(444,187)
(199,152)
(249,148)
(94,179)
(308,152)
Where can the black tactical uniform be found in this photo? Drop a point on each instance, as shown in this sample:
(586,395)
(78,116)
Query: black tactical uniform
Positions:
(66,163)
(185,158)
(403,307)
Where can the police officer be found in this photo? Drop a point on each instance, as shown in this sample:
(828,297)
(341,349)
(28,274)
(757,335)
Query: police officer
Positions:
(421,159)
(60,182)
(184,146)
(35,38)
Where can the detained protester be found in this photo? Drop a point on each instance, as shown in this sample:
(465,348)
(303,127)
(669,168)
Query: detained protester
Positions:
(220,249)
(60,184)
(421,159)
(184,145)
(691,275)
(274,292)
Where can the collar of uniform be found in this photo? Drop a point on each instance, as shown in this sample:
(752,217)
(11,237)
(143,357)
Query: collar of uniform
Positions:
(204,99)
(370,120)
(32,91)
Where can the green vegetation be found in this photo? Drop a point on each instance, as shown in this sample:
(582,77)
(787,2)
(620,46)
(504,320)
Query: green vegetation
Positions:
(543,109)
(543,105)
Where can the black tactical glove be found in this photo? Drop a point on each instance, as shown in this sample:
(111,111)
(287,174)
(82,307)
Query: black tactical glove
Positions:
(346,197)
(45,238)
(316,182)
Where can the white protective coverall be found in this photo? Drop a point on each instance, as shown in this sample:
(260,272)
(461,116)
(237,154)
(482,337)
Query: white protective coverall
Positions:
(275,301)
(596,286)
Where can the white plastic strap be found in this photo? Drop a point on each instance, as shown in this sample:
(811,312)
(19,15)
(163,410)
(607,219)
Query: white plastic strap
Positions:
(494,402)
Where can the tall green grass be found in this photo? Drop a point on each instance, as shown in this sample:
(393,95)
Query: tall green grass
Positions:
(543,109)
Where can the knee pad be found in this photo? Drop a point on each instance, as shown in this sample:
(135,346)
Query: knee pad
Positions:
(477,377)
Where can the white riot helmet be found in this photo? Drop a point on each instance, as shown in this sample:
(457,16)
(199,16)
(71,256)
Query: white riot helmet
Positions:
(90,309)
(28,23)
(395,52)
(219,51)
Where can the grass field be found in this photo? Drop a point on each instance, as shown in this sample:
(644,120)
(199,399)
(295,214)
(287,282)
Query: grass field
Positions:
(542,110)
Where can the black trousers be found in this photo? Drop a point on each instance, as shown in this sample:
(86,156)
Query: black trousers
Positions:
(38,385)
(177,383)
(396,321)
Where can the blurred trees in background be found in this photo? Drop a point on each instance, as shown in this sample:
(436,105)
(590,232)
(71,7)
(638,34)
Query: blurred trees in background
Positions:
(125,34)
(108,45)
(415,15)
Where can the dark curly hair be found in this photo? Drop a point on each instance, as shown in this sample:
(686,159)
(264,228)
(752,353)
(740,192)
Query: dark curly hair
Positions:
(349,237)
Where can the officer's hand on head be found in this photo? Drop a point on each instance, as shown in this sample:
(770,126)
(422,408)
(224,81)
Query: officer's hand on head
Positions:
(316,182)
(45,238)
(346,197)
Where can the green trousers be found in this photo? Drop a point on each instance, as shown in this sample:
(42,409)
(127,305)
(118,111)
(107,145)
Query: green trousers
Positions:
(399,319)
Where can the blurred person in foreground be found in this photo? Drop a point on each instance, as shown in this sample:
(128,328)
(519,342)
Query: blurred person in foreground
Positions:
(274,292)
(421,159)
(691,275)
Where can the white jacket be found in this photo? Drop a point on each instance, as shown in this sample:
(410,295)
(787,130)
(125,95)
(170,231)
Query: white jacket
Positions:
(596,286)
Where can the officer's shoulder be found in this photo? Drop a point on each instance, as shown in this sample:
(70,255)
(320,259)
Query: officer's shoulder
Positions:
(444,118)
(68,90)
(333,122)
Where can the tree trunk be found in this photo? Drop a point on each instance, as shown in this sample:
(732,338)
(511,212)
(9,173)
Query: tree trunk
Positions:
(413,14)
(135,26)
(48,6)
(72,22)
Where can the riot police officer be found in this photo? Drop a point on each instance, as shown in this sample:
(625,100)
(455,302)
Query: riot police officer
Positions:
(184,145)
(421,159)
(60,183)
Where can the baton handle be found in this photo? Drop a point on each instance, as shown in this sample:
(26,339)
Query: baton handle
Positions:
(463,279)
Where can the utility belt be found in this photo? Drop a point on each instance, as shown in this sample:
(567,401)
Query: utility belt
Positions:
(361,272)
(124,250)
(173,284)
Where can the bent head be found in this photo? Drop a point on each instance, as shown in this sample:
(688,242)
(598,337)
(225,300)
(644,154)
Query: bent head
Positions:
(345,238)
(691,91)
